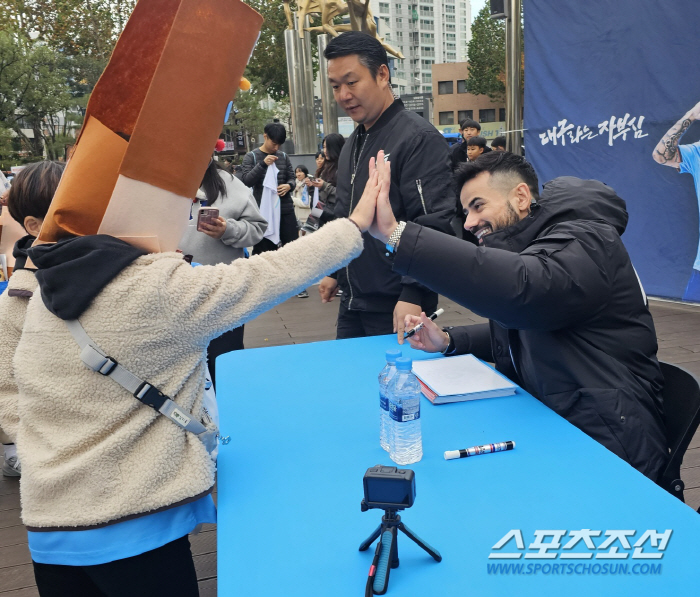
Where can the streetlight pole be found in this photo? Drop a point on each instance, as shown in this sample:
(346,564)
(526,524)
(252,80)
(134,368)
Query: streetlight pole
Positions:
(514,121)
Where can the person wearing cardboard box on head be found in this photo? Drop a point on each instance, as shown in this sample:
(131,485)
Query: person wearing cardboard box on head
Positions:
(114,443)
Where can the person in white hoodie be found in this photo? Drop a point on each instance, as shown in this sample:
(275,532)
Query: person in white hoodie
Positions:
(238,226)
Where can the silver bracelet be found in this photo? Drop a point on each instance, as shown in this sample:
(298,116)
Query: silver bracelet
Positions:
(395,237)
(449,341)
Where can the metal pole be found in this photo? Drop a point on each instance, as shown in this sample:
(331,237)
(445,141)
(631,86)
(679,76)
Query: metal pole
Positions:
(329,107)
(514,121)
(309,89)
(300,101)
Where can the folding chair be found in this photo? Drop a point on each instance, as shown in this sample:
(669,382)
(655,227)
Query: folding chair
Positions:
(681,395)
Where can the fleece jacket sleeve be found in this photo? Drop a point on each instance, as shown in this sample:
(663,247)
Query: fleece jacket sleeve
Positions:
(204,302)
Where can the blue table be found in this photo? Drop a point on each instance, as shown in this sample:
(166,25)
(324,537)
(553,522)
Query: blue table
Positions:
(303,422)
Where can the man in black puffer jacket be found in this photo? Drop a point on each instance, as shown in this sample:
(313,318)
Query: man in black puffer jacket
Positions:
(376,300)
(569,319)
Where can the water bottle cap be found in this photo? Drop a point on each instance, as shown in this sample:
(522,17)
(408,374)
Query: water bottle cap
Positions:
(392,355)
(404,363)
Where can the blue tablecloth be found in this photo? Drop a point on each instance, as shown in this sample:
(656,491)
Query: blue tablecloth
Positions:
(303,422)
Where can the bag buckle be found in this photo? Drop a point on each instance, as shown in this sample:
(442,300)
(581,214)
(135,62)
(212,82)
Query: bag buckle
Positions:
(150,396)
(108,366)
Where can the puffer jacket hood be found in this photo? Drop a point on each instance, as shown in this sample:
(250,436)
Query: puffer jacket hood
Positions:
(72,272)
(563,199)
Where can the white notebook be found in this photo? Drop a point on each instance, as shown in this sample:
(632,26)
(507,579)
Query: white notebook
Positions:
(464,377)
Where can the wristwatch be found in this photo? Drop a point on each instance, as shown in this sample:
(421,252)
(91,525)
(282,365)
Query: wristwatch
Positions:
(394,238)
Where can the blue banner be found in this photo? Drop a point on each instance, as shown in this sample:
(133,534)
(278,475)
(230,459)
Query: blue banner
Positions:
(604,82)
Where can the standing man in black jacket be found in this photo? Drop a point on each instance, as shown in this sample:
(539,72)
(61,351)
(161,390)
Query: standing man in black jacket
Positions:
(375,300)
(569,318)
(252,173)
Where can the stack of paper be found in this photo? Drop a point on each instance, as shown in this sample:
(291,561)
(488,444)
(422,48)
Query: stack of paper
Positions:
(464,377)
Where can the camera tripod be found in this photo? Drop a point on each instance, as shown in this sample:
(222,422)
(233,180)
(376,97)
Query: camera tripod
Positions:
(386,555)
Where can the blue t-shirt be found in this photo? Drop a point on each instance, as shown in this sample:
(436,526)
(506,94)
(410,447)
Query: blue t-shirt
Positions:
(122,539)
(691,165)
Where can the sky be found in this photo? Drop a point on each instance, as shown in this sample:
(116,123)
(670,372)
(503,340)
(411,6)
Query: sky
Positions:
(477,5)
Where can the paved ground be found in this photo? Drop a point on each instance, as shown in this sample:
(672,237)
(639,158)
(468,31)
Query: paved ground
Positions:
(306,320)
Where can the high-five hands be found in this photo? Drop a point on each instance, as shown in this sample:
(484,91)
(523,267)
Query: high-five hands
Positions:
(384,221)
(430,338)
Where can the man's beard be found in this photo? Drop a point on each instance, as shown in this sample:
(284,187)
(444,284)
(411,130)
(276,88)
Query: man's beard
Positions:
(510,219)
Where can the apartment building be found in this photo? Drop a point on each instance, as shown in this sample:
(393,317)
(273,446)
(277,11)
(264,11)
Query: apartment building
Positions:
(425,32)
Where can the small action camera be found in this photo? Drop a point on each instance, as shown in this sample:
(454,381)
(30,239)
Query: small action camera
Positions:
(388,488)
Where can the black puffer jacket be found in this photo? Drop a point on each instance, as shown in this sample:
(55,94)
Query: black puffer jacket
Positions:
(421,191)
(253,171)
(569,319)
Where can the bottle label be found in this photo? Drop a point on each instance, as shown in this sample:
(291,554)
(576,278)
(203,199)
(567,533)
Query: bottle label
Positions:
(411,412)
(383,401)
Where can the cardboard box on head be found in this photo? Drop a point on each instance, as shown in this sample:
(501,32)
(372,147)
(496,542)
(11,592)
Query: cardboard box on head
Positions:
(175,68)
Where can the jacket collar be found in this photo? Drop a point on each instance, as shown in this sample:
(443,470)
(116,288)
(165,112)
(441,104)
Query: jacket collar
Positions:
(385,117)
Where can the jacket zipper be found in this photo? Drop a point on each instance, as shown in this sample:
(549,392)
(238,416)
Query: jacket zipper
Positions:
(352,197)
(420,192)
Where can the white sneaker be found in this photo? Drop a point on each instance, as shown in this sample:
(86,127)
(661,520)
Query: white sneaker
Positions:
(11,467)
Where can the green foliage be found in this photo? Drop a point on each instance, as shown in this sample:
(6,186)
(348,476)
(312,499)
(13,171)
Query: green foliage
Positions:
(487,56)
(32,89)
(52,53)
(269,62)
(251,117)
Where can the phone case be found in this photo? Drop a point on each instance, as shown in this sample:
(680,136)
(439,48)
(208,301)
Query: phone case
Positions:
(207,215)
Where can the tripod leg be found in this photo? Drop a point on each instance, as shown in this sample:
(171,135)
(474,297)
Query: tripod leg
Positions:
(367,542)
(411,535)
(381,577)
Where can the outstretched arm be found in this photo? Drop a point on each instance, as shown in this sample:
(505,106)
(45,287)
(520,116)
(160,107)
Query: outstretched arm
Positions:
(666,151)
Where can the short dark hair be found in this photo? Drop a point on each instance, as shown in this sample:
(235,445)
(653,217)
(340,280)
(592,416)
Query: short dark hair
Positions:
(368,49)
(478,141)
(303,168)
(497,164)
(276,132)
(469,123)
(499,142)
(33,189)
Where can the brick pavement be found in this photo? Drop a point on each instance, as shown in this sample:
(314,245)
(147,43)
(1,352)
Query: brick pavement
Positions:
(298,321)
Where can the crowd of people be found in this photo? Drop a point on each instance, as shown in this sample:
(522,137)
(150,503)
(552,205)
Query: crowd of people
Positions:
(569,321)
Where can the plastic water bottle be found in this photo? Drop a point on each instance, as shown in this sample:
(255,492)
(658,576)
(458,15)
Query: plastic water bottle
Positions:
(385,376)
(404,409)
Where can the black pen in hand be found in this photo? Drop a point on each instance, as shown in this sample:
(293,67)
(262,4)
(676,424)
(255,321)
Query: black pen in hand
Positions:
(419,327)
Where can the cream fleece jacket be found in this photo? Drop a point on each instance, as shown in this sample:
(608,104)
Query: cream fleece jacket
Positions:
(22,284)
(91,453)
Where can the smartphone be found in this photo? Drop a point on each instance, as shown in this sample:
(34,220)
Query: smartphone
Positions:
(207,215)
(312,178)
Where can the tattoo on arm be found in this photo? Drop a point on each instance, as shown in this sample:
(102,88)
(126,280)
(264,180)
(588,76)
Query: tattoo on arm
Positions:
(667,148)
